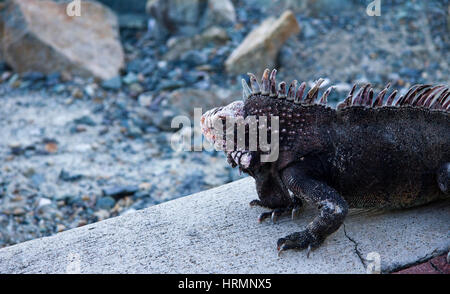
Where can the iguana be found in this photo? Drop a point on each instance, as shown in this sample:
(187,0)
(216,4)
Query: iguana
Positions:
(367,152)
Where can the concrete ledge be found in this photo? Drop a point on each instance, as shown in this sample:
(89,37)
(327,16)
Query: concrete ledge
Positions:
(216,232)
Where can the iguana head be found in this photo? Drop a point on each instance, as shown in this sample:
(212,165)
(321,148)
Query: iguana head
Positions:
(217,123)
(276,111)
(215,120)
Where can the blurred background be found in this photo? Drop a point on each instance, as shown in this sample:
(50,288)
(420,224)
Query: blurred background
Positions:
(86,101)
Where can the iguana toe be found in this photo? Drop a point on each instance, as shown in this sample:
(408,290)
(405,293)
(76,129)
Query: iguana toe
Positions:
(275,214)
(296,212)
(256,202)
(299,240)
(264,215)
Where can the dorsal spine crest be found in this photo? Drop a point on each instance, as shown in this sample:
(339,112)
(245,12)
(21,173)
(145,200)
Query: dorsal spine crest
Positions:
(420,96)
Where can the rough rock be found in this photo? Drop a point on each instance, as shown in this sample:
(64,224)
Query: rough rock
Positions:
(40,36)
(320,8)
(219,12)
(188,17)
(120,191)
(113,83)
(125,7)
(186,99)
(179,45)
(261,46)
(182,102)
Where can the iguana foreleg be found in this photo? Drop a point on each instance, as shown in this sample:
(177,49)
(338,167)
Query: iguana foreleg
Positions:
(333,209)
(272,195)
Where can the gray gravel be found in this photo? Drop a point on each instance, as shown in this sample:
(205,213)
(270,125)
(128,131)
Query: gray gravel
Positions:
(64,166)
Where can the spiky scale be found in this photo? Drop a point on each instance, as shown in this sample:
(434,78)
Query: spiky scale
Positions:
(391,98)
(447,105)
(365,95)
(399,100)
(273,91)
(273,84)
(299,94)
(313,92)
(410,94)
(379,99)
(291,91)
(369,98)
(423,97)
(352,91)
(432,96)
(418,94)
(444,96)
(348,101)
(256,89)
(246,91)
(358,97)
(265,83)
(438,102)
(446,100)
(323,99)
(282,90)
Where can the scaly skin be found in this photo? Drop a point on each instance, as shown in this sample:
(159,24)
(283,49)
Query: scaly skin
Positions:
(365,153)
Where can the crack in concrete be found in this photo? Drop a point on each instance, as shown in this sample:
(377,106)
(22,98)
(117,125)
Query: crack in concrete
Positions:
(358,253)
(395,268)
(426,258)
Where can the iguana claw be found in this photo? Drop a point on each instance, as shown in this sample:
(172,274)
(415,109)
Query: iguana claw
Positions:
(296,212)
(299,240)
(275,214)
(256,202)
(285,247)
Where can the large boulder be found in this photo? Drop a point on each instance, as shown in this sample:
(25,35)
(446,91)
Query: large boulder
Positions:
(189,17)
(183,102)
(179,45)
(319,8)
(129,6)
(219,12)
(40,36)
(261,46)
(186,99)
(131,13)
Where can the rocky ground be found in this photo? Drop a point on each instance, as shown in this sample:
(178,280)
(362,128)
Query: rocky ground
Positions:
(77,150)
